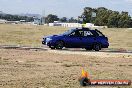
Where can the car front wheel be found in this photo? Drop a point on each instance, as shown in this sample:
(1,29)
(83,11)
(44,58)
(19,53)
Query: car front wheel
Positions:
(97,47)
(52,47)
(59,45)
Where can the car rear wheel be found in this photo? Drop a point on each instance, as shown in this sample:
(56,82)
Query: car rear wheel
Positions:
(59,45)
(97,47)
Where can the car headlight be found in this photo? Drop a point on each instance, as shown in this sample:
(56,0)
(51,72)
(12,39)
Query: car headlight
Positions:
(48,39)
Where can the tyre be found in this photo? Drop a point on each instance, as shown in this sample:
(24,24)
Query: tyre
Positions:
(97,47)
(51,47)
(59,45)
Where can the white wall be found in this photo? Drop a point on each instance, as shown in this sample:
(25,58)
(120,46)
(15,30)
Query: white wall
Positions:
(66,24)
(2,21)
(88,25)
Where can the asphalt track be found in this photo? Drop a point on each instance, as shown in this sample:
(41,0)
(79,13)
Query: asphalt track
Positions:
(44,48)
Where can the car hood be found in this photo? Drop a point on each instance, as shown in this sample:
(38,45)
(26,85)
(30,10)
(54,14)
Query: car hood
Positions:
(53,36)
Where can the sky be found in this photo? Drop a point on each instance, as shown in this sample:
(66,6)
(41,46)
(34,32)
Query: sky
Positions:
(62,8)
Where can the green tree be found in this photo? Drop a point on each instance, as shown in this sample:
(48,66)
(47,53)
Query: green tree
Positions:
(125,20)
(63,19)
(113,19)
(72,20)
(10,17)
(87,14)
(51,18)
(106,17)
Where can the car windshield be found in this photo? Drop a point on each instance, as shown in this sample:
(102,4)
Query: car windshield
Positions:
(68,32)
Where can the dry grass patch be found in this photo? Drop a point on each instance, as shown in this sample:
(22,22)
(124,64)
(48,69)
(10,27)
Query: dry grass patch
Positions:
(36,69)
(31,35)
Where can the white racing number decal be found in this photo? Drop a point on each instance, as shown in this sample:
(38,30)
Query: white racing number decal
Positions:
(87,33)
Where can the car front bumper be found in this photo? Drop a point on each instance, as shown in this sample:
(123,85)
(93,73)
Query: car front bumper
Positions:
(48,42)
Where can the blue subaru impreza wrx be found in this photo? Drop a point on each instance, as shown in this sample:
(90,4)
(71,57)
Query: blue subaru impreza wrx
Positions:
(77,38)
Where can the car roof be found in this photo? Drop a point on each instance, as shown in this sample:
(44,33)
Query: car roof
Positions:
(82,29)
(86,29)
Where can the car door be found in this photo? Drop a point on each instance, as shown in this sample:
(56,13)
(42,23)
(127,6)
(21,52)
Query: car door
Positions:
(74,40)
(88,38)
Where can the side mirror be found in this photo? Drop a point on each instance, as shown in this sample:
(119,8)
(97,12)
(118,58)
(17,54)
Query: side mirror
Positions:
(70,35)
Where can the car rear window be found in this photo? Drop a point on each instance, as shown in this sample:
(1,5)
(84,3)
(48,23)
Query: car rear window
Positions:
(99,33)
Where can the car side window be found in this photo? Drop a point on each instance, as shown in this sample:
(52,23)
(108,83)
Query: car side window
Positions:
(72,34)
(81,33)
(77,33)
(88,33)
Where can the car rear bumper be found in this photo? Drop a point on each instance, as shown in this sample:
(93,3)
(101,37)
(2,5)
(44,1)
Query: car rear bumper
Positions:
(105,45)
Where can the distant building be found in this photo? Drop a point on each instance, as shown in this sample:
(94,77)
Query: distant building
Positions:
(3,21)
(89,25)
(22,20)
(39,21)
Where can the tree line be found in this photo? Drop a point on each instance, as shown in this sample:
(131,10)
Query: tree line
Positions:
(10,17)
(102,17)
(51,18)
(106,17)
